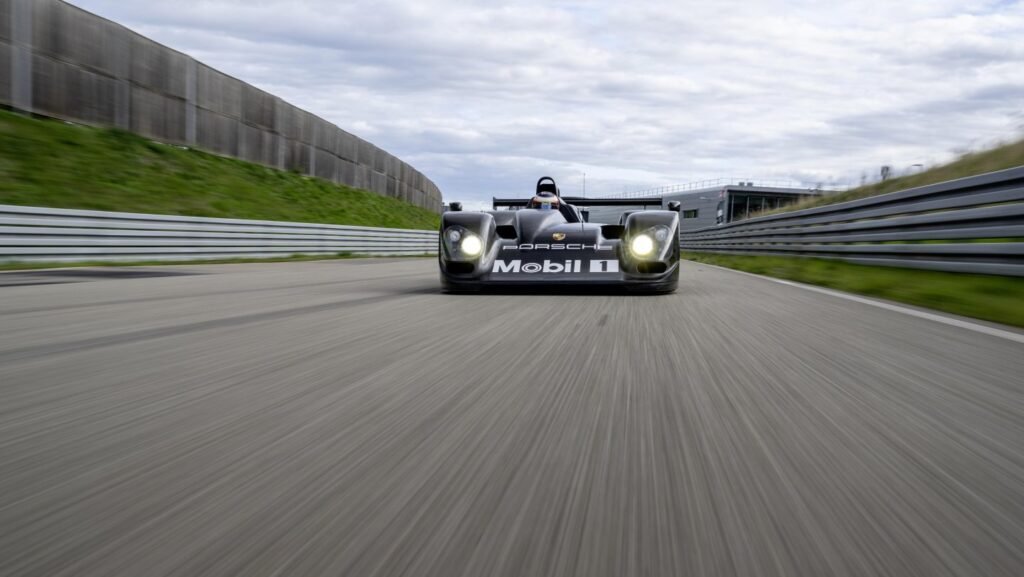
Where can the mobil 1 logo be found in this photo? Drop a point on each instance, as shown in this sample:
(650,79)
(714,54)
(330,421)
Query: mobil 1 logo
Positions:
(571,266)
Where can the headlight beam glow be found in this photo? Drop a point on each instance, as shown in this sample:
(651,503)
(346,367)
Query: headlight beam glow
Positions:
(642,245)
(471,245)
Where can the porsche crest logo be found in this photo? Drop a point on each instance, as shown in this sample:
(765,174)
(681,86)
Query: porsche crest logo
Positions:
(558,236)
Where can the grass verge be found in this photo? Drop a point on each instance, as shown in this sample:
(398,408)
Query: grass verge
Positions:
(14,266)
(991,298)
(54,164)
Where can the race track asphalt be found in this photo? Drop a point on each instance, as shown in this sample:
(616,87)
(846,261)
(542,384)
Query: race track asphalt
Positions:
(344,418)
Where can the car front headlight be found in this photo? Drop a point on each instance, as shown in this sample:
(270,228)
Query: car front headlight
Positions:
(642,245)
(651,243)
(462,244)
(471,245)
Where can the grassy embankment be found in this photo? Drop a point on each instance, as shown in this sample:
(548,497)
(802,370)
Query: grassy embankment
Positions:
(999,158)
(55,164)
(992,298)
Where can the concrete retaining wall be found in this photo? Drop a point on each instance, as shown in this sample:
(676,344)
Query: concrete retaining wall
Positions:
(60,61)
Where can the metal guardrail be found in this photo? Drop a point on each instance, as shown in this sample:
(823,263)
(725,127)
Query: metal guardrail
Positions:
(973,224)
(31,234)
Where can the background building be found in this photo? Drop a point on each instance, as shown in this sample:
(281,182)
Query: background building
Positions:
(700,208)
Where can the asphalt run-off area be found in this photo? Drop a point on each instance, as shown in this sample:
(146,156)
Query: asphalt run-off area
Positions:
(346,418)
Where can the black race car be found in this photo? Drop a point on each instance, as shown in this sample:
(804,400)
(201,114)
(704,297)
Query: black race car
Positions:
(547,242)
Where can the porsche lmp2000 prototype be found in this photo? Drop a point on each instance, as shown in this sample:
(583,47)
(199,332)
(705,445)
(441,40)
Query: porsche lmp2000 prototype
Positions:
(547,242)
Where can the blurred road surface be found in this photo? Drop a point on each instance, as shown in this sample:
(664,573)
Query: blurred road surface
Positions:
(344,418)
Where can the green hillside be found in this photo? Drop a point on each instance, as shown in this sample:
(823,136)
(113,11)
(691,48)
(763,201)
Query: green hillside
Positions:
(56,164)
(999,158)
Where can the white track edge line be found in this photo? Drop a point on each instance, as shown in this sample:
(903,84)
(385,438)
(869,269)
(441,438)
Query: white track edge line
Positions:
(978,328)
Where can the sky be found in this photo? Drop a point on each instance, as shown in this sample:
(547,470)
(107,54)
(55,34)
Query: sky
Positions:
(484,97)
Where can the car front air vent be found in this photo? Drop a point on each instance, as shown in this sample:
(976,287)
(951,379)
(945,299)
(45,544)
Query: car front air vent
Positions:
(506,231)
(651,267)
(459,267)
(612,231)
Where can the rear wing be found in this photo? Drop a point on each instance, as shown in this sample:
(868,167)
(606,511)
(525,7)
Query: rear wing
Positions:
(584,202)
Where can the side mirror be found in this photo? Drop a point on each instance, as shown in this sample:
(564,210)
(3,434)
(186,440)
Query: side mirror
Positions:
(674,206)
(455,207)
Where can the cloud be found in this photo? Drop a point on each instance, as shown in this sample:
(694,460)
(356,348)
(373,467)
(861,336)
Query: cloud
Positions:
(484,97)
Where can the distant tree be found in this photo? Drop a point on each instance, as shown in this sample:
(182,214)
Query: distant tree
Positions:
(886,172)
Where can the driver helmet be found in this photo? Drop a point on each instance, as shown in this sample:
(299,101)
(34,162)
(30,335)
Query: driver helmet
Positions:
(544,201)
